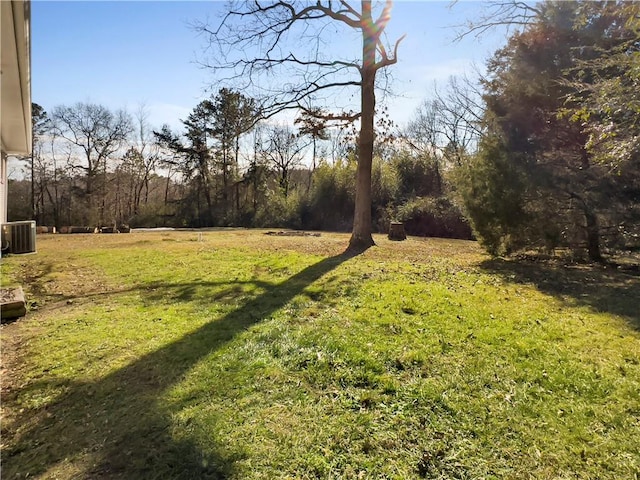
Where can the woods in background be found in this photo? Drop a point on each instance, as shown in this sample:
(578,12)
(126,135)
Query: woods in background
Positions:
(225,168)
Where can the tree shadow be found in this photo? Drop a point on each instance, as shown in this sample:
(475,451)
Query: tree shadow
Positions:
(604,288)
(165,292)
(117,421)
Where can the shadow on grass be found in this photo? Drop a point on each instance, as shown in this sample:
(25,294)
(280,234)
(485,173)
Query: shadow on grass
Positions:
(117,421)
(603,288)
(168,293)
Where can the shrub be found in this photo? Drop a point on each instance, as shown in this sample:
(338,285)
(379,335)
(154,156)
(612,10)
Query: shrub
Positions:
(433,217)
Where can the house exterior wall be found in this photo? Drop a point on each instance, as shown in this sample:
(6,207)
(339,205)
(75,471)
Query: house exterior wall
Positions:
(15,88)
(3,188)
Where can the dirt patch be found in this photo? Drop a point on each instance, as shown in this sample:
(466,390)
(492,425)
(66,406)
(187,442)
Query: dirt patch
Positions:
(13,357)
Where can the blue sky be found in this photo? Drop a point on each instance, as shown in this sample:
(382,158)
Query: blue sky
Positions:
(123,53)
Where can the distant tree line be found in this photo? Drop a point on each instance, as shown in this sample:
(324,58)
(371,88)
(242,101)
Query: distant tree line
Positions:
(225,167)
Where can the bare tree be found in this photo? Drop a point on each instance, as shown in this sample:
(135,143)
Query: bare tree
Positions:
(41,125)
(253,42)
(498,13)
(340,144)
(232,115)
(284,151)
(53,173)
(95,133)
(149,154)
(449,124)
(315,127)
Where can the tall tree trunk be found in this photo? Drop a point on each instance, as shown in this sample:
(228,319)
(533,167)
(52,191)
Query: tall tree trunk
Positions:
(284,182)
(236,169)
(34,210)
(205,185)
(40,205)
(118,200)
(166,188)
(146,188)
(207,196)
(225,177)
(88,216)
(237,185)
(593,236)
(255,193)
(592,229)
(55,210)
(361,238)
(313,165)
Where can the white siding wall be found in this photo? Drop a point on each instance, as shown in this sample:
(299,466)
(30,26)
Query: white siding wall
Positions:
(3,188)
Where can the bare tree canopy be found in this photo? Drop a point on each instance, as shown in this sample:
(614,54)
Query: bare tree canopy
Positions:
(499,13)
(450,123)
(96,133)
(277,51)
(284,151)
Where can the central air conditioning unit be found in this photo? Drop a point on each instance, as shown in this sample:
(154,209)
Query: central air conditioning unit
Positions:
(19,237)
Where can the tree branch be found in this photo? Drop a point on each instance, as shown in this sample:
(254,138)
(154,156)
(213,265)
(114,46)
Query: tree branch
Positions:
(386,61)
(498,13)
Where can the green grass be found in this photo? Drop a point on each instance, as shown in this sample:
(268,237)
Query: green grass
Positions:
(239,355)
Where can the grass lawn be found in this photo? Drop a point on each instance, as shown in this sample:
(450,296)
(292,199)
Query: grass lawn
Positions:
(233,354)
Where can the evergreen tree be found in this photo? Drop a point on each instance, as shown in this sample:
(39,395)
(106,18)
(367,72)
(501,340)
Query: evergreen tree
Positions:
(567,197)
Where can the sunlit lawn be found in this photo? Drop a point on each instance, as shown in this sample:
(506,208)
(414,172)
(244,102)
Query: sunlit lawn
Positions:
(234,354)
